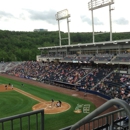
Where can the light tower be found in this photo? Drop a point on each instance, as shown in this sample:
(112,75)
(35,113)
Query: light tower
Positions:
(60,16)
(96,4)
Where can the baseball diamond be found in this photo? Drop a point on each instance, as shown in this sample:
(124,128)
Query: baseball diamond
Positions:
(46,105)
(96,100)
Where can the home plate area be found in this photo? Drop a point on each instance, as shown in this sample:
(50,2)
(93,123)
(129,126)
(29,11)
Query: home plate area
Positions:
(51,108)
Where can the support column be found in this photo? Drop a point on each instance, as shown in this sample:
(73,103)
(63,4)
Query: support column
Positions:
(68,31)
(110,22)
(93,26)
(59,33)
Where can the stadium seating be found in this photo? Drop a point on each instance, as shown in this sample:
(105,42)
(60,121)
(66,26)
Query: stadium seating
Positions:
(103,57)
(125,57)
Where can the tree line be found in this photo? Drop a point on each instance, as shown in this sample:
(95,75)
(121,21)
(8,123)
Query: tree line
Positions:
(23,46)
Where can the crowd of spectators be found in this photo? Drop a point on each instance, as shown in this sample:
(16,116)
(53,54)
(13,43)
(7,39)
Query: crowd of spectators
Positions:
(115,85)
(102,79)
(94,77)
(64,72)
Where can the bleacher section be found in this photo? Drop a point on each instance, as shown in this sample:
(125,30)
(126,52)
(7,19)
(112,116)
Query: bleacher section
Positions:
(94,77)
(122,58)
(103,57)
(68,58)
(83,58)
(3,66)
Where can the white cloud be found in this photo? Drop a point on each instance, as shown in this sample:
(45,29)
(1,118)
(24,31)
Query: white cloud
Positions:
(89,21)
(26,15)
(47,16)
(121,21)
(5,15)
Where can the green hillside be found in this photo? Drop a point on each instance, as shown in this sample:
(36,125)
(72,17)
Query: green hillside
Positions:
(23,46)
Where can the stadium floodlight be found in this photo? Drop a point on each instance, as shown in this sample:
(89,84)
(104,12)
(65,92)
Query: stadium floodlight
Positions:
(60,16)
(96,4)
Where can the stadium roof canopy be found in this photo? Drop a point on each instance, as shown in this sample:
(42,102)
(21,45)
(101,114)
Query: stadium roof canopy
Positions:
(85,44)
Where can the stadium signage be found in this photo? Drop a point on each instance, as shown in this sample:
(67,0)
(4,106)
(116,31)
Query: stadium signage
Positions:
(82,108)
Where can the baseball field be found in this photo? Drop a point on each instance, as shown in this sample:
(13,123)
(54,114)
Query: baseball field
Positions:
(31,97)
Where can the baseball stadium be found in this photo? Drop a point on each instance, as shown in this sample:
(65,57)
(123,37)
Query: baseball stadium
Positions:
(84,86)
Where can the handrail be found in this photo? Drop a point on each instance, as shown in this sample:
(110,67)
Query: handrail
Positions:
(27,114)
(96,118)
(101,109)
(21,115)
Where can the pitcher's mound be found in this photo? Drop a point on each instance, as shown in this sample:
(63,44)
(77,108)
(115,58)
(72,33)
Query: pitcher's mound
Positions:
(51,109)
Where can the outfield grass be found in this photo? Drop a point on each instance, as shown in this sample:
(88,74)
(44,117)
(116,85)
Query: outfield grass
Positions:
(19,103)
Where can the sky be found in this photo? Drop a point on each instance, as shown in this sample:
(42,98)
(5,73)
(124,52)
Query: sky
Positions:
(27,15)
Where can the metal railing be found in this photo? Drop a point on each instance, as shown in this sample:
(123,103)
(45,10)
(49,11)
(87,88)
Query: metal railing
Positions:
(110,121)
(33,120)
